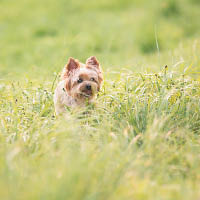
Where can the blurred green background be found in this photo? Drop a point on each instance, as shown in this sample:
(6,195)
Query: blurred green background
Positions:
(37,37)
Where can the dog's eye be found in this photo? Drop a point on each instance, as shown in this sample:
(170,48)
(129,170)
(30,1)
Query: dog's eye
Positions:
(80,80)
(92,79)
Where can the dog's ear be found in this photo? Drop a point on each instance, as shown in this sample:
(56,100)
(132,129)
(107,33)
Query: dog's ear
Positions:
(92,62)
(70,67)
(72,64)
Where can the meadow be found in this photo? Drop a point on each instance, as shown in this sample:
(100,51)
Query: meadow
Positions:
(140,140)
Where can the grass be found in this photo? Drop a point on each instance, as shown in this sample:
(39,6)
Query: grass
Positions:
(140,139)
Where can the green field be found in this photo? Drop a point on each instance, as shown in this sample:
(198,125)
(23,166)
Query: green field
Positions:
(140,140)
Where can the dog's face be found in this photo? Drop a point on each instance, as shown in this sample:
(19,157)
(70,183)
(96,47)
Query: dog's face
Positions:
(83,81)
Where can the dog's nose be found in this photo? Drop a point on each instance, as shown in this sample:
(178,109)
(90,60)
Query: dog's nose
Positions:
(88,87)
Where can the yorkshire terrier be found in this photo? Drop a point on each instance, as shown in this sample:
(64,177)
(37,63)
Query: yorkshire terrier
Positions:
(79,84)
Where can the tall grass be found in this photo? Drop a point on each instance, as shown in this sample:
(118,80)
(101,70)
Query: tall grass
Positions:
(140,140)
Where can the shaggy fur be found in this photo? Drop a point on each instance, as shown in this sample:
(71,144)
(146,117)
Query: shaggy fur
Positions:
(80,84)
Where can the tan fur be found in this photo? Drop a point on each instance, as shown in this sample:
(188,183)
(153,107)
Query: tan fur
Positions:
(77,77)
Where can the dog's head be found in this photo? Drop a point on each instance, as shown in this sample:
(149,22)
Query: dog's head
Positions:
(83,81)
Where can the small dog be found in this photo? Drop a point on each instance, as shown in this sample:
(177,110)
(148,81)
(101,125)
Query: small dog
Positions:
(80,84)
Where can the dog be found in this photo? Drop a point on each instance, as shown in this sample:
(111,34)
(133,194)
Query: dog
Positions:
(79,84)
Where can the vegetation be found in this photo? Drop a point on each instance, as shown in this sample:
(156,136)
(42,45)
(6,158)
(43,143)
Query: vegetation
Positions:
(140,139)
